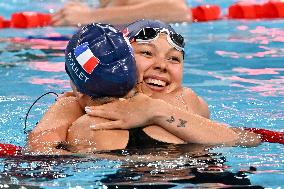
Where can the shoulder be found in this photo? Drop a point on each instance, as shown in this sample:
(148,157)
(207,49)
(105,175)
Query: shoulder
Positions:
(195,102)
(65,105)
(66,101)
(63,112)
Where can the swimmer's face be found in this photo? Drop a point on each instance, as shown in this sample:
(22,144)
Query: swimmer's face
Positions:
(160,66)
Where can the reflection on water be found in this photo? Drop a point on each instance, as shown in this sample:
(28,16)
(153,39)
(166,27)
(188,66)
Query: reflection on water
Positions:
(166,167)
(266,87)
(268,52)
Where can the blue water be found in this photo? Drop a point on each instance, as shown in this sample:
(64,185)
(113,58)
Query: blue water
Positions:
(237,66)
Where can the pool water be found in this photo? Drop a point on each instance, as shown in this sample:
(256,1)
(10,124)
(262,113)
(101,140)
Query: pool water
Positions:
(236,66)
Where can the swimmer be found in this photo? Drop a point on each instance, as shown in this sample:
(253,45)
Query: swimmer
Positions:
(121,12)
(185,124)
(101,67)
(159,57)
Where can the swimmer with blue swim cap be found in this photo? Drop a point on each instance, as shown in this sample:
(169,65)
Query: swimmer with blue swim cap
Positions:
(100,63)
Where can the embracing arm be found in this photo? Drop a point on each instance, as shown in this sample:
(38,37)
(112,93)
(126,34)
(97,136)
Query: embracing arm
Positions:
(52,128)
(78,13)
(141,111)
(199,130)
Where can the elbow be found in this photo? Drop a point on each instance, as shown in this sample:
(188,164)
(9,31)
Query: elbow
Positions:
(178,12)
(181,10)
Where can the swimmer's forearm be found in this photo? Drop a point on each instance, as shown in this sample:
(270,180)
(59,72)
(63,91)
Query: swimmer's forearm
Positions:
(45,143)
(247,138)
(193,128)
(45,150)
(148,10)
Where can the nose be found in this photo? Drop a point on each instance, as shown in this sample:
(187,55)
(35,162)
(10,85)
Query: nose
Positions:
(161,64)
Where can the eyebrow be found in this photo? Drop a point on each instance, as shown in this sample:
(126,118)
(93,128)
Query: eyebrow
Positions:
(147,43)
(154,46)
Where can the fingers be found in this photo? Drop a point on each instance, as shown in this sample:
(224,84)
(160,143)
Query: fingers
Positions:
(61,18)
(101,113)
(108,125)
(58,18)
(73,3)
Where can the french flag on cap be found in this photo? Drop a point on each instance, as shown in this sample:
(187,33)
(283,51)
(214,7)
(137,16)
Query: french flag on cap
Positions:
(86,58)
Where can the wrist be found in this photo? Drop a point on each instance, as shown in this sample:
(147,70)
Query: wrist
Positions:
(161,110)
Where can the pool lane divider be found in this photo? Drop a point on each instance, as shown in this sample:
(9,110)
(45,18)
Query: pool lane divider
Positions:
(26,20)
(7,150)
(241,10)
(268,136)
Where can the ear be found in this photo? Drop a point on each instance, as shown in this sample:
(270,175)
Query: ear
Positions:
(79,95)
(83,99)
(75,91)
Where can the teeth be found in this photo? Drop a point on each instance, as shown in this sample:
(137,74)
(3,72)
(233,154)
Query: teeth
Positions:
(155,82)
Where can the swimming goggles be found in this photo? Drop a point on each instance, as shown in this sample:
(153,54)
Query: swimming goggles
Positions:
(151,34)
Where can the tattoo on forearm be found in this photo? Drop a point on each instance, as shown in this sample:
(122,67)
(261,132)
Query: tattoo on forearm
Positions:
(181,123)
(171,119)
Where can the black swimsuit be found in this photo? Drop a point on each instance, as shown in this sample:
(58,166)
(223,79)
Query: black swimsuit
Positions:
(139,139)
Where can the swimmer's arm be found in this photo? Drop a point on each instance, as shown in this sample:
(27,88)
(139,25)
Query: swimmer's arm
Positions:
(61,114)
(191,127)
(45,143)
(52,128)
(140,111)
(75,13)
(245,138)
(197,129)
(157,9)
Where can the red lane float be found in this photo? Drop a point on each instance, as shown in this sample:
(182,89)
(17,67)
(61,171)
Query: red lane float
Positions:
(273,9)
(26,20)
(1,21)
(270,9)
(205,13)
(242,10)
(268,136)
(9,150)
(6,24)
(30,20)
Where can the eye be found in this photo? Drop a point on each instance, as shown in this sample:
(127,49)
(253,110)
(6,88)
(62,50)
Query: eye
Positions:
(175,59)
(146,53)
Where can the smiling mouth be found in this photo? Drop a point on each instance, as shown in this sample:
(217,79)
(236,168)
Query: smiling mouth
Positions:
(155,83)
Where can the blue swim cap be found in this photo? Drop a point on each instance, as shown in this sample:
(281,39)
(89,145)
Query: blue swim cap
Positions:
(100,61)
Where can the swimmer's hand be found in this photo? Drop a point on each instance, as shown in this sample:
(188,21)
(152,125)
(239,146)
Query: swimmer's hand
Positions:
(125,114)
(72,14)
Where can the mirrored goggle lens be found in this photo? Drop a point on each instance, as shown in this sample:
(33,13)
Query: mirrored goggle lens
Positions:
(177,39)
(146,34)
